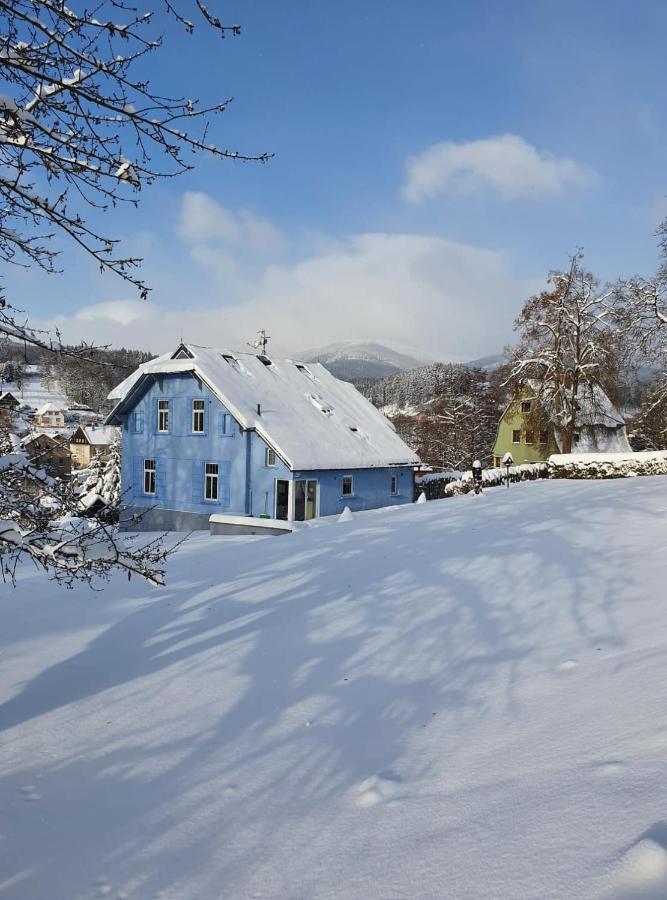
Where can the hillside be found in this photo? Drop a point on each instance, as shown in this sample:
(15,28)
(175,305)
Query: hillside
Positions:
(405,393)
(462,699)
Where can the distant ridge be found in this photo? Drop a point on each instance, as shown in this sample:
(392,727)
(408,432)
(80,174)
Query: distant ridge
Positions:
(363,360)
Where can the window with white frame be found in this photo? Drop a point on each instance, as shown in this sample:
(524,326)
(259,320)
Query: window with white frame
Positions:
(211,481)
(163,415)
(270,457)
(149,476)
(394,484)
(347,486)
(197,416)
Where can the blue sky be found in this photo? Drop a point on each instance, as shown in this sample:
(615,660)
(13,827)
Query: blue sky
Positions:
(433,160)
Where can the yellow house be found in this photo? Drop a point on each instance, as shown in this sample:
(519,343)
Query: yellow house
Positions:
(527,429)
(89,441)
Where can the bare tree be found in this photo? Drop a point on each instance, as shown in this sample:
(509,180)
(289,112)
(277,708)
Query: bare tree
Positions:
(643,323)
(568,345)
(81,131)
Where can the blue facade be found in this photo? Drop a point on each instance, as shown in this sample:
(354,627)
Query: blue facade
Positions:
(174,447)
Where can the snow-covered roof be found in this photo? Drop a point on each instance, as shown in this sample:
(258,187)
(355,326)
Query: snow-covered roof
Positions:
(311,419)
(5,394)
(49,407)
(99,435)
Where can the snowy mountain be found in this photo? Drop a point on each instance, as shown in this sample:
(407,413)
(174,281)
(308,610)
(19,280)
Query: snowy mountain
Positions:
(488,363)
(363,360)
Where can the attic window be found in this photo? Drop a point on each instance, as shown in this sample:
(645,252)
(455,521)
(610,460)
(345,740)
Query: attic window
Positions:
(265,360)
(183,353)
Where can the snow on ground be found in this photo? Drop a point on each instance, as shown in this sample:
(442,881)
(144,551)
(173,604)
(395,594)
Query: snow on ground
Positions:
(458,699)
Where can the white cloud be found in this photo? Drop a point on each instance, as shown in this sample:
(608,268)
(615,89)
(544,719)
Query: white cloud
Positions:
(455,301)
(202,221)
(117,312)
(506,164)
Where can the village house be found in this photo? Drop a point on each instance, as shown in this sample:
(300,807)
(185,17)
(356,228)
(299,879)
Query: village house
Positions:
(8,401)
(528,431)
(50,416)
(49,452)
(89,441)
(208,431)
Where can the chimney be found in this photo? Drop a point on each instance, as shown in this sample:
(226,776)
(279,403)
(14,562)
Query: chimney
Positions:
(259,409)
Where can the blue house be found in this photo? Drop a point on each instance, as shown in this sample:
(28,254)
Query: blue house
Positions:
(210,431)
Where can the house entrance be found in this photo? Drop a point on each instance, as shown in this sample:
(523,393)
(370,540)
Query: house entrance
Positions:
(305,499)
(296,500)
(282,499)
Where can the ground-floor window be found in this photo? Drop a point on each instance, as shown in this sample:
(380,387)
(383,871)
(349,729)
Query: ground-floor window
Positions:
(149,476)
(211,481)
(394,485)
(348,486)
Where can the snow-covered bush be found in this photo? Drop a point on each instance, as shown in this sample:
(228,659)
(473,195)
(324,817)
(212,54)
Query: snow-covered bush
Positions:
(608,465)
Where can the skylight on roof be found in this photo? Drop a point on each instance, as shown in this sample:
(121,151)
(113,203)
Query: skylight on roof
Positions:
(321,404)
(306,371)
(265,360)
(232,360)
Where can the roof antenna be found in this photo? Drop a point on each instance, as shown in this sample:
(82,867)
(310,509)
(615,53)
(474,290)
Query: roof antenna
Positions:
(261,341)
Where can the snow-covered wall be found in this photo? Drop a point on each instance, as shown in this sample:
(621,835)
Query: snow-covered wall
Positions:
(608,465)
(490,478)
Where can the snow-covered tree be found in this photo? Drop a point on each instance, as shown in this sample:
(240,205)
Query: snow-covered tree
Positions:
(643,320)
(568,344)
(102,487)
(82,130)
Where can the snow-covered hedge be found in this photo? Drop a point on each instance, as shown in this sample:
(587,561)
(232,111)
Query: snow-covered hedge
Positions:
(497,477)
(608,465)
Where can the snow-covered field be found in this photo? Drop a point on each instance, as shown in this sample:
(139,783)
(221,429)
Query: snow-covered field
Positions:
(36,392)
(459,699)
